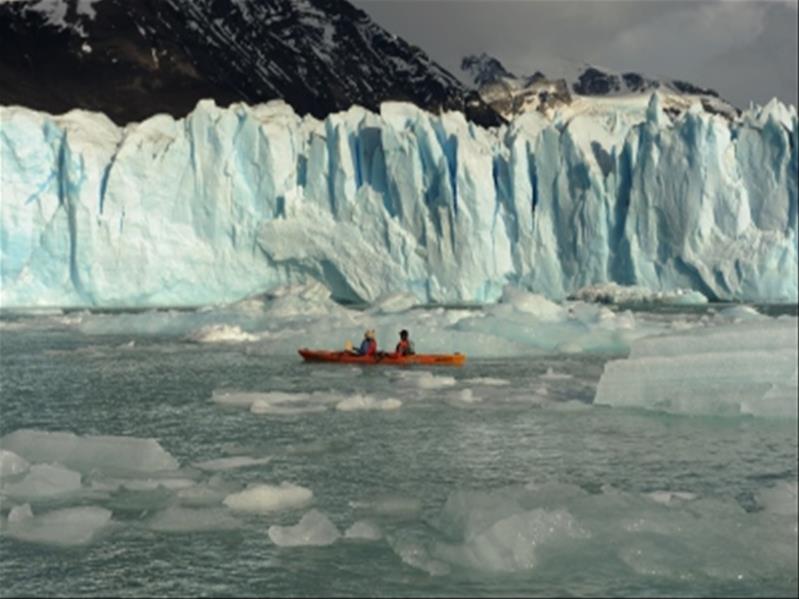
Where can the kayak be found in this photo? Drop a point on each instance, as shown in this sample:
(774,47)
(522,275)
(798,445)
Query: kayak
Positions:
(344,357)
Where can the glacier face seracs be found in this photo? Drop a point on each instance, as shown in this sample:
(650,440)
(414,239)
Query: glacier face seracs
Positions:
(235,201)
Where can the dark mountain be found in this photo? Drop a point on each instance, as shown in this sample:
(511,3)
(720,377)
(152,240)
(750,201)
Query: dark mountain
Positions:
(134,58)
(484,69)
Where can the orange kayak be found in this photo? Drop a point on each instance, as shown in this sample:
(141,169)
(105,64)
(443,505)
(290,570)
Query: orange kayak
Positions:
(344,357)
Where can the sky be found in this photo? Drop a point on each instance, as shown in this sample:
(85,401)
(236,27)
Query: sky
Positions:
(744,49)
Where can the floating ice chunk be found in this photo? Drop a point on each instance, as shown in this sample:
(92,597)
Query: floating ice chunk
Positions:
(90,451)
(741,314)
(268,402)
(394,303)
(745,336)
(302,300)
(466,396)
(181,519)
(743,368)
(532,303)
(69,526)
(668,497)
(426,380)
(710,383)
(269,498)
(551,375)
(510,544)
(222,333)
(340,372)
(44,481)
(415,553)
(570,405)
(11,464)
(363,402)
(466,513)
(20,513)
(314,528)
(264,407)
(780,499)
(364,529)
(236,398)
(231,463)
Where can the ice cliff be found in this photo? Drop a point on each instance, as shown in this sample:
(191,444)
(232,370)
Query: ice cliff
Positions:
(235,201)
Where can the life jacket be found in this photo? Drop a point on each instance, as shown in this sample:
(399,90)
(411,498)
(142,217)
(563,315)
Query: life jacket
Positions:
(368,347)
(404,347)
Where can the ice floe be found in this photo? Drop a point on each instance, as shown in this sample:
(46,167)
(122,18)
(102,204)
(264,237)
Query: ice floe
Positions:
(728,369)
(44,481)
(89,452)
(314,528)
(264,498)
(365,402)
(365,530)
(68,526)
(11,464)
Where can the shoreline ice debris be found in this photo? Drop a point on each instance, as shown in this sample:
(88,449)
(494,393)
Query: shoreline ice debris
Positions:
(747,367)
(519,324)
(230,202)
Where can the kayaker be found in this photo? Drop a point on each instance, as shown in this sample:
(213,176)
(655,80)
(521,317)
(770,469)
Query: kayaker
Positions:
(405,345)
(368,345)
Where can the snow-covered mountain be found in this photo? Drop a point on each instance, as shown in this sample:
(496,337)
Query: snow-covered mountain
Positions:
(583,88)
(131,60)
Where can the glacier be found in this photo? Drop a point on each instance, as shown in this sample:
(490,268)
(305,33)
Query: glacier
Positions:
(232,202)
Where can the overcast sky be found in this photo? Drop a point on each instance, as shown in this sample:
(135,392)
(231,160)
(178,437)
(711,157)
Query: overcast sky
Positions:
(744,49)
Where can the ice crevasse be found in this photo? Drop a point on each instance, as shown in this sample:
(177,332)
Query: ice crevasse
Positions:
(235,201)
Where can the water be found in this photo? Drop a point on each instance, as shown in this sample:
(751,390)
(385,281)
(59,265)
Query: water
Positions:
(576,482)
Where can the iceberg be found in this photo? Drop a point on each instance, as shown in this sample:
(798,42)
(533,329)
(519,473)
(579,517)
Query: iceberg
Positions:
(743,368)
(232,202)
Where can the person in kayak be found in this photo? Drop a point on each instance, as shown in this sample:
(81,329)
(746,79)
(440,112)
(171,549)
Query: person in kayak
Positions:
(368,345)
(405,345)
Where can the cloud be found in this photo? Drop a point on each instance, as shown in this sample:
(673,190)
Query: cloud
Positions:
(670,44)
(745,49)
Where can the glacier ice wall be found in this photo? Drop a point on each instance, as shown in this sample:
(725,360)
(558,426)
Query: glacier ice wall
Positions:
(230,202)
